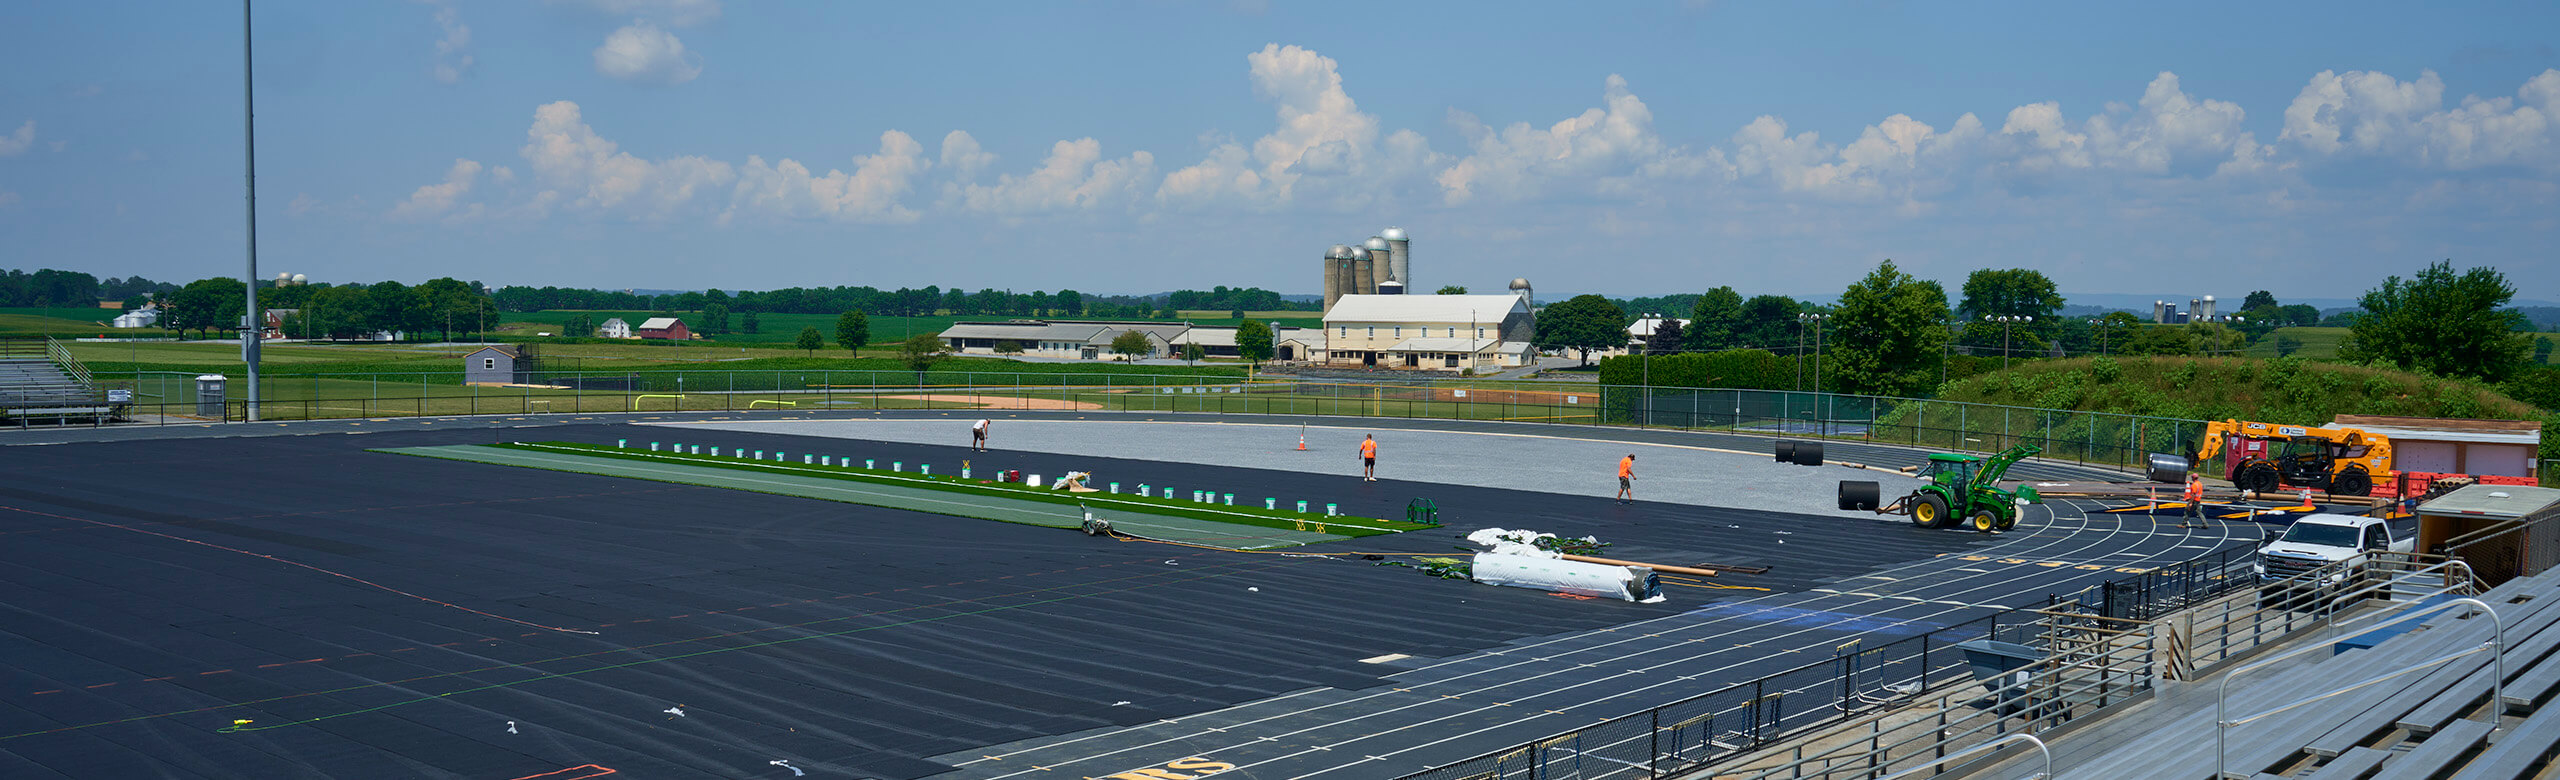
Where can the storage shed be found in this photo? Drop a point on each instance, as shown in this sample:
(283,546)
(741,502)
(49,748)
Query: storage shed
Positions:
(497,365)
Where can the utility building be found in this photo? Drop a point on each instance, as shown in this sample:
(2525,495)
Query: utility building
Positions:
(1429,332)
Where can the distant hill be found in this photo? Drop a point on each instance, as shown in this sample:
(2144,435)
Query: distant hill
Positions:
(2288,390)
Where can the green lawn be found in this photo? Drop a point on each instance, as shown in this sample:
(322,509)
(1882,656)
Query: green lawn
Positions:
(2317,343)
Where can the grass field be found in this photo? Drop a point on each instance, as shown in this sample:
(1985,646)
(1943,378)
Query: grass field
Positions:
(2317,343)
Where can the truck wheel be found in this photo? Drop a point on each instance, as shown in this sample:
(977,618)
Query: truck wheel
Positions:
(1984,521)
(2352,482)
(1929,512)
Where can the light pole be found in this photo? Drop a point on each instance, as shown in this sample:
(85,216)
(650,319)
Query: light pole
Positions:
(1647,362)
(2007,320)
(1816,319)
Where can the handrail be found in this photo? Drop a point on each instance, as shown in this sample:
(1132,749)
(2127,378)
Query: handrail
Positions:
(70,365)
(2222,691)
(2047,774)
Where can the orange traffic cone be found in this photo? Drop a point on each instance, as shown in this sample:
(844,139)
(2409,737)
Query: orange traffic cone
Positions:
(1302,442)
(2306,502)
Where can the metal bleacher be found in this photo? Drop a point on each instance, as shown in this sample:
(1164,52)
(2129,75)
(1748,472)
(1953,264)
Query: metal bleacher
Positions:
(2419,705)
(41,382)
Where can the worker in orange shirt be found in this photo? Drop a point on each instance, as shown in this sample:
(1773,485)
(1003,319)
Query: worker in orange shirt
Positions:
(2194,494)
(1369,459)
(1627,479)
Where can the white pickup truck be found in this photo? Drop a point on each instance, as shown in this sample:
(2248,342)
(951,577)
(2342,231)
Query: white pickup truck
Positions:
(2318,540)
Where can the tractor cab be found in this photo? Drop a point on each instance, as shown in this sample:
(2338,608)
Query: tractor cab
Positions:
(1952,471)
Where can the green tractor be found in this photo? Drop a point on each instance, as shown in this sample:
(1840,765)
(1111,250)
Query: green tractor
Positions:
(1964,488)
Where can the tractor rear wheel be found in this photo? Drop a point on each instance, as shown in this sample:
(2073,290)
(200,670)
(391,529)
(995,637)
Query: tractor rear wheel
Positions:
(1929,512)
(2010,520)
(1984,521)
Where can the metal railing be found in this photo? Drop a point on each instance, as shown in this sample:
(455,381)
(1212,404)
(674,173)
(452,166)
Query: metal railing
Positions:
(2222,691)
(1744,718)
(2116,441)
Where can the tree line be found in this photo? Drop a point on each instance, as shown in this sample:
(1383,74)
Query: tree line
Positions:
(73,289)
(1893,334)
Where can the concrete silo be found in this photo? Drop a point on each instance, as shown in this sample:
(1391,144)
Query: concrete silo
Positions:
(1520,287)
(1332,278)
(1364,272)
(1399,255)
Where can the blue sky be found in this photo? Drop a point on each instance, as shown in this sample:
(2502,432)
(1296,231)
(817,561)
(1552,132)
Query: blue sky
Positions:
(2163,148)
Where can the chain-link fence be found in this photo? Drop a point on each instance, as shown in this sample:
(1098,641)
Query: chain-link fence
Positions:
(2118,441)
(2167,589)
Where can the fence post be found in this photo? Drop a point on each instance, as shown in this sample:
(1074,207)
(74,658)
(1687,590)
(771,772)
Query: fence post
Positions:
(1653,756)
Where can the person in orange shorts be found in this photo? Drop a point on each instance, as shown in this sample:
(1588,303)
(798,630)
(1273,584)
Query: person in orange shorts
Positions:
(1369,459)
(1627,479)
(2194,494)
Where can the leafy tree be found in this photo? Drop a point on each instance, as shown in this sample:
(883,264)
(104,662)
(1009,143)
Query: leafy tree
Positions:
(1069,302)
(579,325)
(750,324)
(207,304)
(1235,314)
(853,329)
(715,319)
(810,340)
(399,308)
(919,351)
(1008,347)
(1454,289)
(1583,323)
(2160,340)
(1253,341)
(2012,292)
(1193,353)
(2258,299)
(2286,345)
(2537,385)
(1768,322)
(1888,334)
(2300,315)
(2443,323)
(445,302)
(2541,350)
(1131,344)
(1667,338)
(1714,321)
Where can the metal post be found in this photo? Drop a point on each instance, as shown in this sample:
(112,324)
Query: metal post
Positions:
(249,141)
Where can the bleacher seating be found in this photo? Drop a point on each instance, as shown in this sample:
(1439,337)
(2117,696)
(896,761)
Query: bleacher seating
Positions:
(34,387)
(2434,723)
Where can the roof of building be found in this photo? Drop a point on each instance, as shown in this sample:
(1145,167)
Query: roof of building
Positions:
(2445,429)
(1443,344)
(1643,326)
(1312,337)
(1085,331)
(660,323)
(1208,337)
(1424,308)
(2503,501)
(503,349)
(615,321)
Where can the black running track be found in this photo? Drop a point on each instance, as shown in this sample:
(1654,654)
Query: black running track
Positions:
(385,616)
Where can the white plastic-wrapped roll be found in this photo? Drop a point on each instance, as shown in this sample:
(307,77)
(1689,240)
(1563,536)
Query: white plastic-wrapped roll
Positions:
(1631,583)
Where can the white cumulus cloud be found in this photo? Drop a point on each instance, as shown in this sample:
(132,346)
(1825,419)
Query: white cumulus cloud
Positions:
(1074,177)
(2362,113)
(569,159)
(17,142)
(427,201)
(644,54)
(453,48)
(871,193)
(1605,148)
(1323,143)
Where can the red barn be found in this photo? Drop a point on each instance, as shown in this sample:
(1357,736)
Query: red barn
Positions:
(665,328)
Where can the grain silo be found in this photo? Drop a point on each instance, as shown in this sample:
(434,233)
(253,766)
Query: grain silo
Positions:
(1364,272)
(1399,255)
(1332,278)
(1379,256)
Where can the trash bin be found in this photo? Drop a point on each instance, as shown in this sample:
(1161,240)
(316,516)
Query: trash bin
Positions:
(2002,668)
(209,395)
